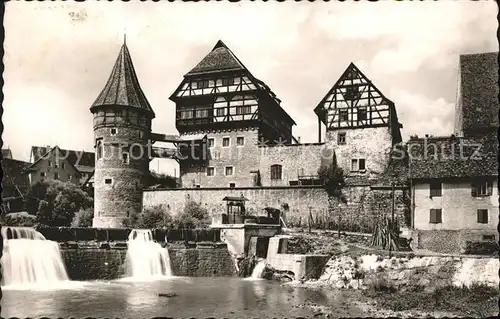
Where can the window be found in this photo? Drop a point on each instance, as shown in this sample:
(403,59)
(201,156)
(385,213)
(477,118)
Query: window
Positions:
(70,177)
(187,114)
(63,165)
(489,237)
(240,141)
(480,189)
(243,109)
(112,131)
(56,176)
(232,185)
(217,155)
(361,164)
(227,81)
(482,216)
(56,164)
(198,186)
(108,181)
(436,216)
(229,170)
(221,112)
(294,183)
(354,165)
(341,139)
(99,150)
(211,142)
(435,189)
(361,114)
(202,113)
(352,93)
(42,174)
(276,171)
(225,142)
(202,84)
(125,158)
(210,171)
(49,163)
(343,115)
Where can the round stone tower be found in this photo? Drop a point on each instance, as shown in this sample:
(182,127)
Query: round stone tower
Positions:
(122,128)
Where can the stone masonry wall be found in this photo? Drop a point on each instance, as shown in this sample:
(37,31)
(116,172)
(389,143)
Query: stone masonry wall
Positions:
(94,264)
(298,199)
(202,262)
(243,159)
(372,144)
(116,201)
(102,264)
(449,241)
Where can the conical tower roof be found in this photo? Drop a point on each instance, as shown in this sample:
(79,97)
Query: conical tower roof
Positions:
(221,58)
(122,87)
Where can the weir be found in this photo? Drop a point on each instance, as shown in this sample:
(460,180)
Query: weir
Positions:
(146,259)
(29,259)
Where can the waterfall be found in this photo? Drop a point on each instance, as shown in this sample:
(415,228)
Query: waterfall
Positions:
(146,259)
(258,270)
(29,259)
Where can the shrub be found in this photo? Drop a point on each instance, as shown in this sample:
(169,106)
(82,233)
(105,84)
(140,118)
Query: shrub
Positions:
(193,216)
(156,216)
(19,221)
(83,218)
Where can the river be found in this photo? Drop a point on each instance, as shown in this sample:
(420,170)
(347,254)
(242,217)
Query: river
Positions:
(195,297)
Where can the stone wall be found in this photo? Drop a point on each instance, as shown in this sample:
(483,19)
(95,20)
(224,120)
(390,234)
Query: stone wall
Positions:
(94,264)
(449,241)
(109,264)
(116,201)
(299,200)
(202,262)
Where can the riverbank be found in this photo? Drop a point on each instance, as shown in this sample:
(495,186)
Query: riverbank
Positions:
(403,286)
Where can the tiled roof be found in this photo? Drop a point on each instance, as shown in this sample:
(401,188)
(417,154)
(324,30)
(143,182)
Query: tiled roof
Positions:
(76,158)
(219,59)
(122,88)
(479,90)
(13,176)
(456,157)
(6,153)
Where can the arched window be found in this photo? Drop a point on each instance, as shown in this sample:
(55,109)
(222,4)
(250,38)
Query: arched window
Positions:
(276,172)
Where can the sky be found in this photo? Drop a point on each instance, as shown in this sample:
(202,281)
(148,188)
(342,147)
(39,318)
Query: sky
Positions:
(58,57)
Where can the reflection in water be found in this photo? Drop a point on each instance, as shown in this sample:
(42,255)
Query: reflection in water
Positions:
(195,297)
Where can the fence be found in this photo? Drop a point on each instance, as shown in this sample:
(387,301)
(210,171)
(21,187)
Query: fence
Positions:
(67,234)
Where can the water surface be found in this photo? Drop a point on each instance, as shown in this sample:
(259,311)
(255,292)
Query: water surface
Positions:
(196,297)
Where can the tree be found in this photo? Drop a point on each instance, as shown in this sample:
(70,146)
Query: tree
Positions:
(332,178)
(161,180)
(193,216)
(83,218)
(151,217)
(55,203)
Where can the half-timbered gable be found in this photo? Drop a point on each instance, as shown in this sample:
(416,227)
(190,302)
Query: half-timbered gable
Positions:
(221,93)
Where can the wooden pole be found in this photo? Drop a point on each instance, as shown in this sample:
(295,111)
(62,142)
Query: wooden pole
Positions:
(391,228)
(340,211)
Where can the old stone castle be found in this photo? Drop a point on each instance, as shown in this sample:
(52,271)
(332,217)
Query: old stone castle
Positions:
(236,139)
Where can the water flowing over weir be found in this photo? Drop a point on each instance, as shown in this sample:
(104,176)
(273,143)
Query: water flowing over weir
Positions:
(29,259)
(258,270)
(146,259)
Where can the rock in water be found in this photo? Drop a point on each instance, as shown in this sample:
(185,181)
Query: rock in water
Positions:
(168,295)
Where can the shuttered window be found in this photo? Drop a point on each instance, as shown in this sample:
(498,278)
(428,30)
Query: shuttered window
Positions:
(482,216)
(436,216)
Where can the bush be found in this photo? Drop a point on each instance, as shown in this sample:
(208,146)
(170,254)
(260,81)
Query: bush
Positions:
(193,216)
(55,203)
(152,217)
(19,221)
(83,218)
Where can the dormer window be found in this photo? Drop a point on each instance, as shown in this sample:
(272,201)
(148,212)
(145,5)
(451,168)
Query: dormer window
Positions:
(112,131)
